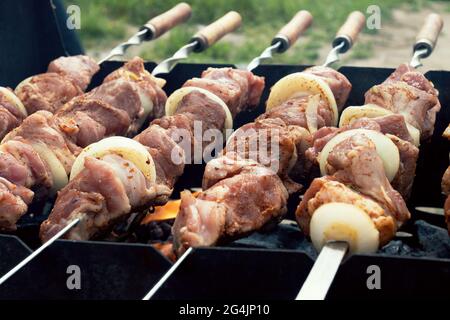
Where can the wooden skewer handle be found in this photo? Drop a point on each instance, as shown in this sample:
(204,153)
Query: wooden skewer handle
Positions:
(428,35)
(289,34)
(216,30)
(167,20)
(350,30)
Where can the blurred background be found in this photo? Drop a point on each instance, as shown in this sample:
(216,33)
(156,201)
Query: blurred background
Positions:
(106,23)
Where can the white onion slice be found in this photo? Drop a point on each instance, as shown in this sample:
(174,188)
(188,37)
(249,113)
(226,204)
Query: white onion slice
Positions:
(127,148)
(311,113)
(57,170)
(175,98)
(301,84)
(353,113)
(147,105)
(337,221)
(15,100)
(386,149)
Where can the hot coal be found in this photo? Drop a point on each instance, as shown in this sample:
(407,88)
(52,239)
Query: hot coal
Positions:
(155,231)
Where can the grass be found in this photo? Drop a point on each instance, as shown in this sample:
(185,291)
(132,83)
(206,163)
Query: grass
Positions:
(105,23)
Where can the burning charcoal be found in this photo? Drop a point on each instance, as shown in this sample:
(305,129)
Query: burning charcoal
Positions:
(166,227)
(153,231)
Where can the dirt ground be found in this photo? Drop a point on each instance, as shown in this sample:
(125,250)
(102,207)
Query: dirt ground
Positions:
(393,44)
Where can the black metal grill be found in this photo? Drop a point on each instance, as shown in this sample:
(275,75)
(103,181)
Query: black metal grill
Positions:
(269,265)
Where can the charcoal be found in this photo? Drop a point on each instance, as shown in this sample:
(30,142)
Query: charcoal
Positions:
(399,248)
(155,231)
(429,241)
(284,236)
(434,240)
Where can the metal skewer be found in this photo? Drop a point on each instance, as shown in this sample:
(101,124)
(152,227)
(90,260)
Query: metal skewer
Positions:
(153,29)
(285,38)
(202,40)
(426,39)
(431,210)
(324,270)
(167,275)
(345,37)
(38,251)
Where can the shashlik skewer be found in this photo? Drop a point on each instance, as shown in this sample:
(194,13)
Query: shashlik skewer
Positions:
(354,204)
(212,100)
(242,195)
(285,38)
(36,157)
(68,77)
(130,157)
(243,191)
(108,187)
(83,131)
(126,96)
(154,28)
(345,37)
(202,40)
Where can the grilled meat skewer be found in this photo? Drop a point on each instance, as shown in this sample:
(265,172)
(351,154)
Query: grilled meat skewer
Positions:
(242,192)
(108,185)
(66,78)
(37,156)
(369,163)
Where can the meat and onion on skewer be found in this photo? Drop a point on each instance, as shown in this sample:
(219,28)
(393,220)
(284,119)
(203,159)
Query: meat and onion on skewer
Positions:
(68,77)
(132,161)
(212,100)
(368,166)
(109,182)
(133,158)
(37,156)
(82,121)
(245,191)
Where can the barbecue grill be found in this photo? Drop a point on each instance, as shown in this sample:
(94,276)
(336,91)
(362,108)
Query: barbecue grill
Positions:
(414,264)
(410,267)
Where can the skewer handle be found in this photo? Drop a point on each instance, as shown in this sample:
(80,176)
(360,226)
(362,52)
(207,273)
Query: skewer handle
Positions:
(428,35)
(349,31)
(289,34)
(216,30)
(159,25)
